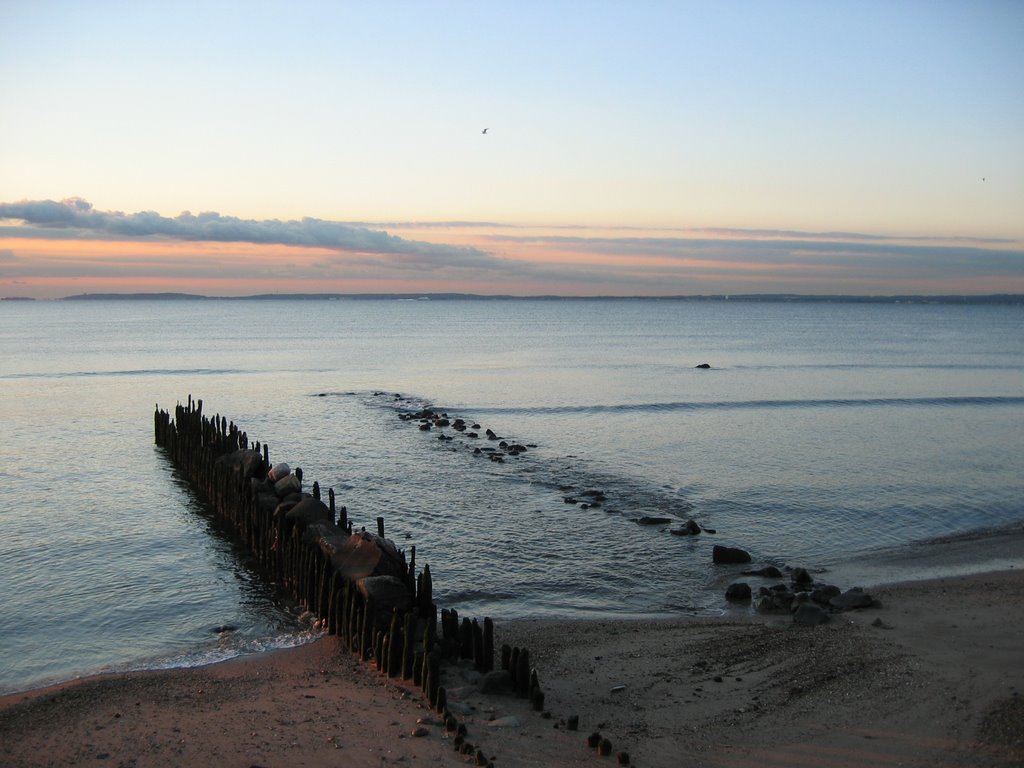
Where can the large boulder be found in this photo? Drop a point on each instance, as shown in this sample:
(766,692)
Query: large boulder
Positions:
(738,592)
(852,598)
(245,463)
(387,593)
(307,512)
(810,615)
(366,554)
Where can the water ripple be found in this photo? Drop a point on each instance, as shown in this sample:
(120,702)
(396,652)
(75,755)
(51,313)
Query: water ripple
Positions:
(757,404)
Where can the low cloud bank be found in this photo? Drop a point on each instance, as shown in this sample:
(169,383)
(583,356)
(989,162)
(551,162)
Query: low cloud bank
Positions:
(79,215)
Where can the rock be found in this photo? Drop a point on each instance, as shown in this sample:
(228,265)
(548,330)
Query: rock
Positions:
(852,598)
(307,512)
(648,520)
(764,604)
(768,572)
(689,528)
(823,593)
(387,593)
(728,555)
(509,721)
(783,600)
(810,615)
(246,463)
(705,366)
(738,592)
(420,732)
(801,576)
(498,681)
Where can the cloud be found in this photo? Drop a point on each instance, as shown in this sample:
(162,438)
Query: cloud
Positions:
(78,215)
(70,240)
(877,253)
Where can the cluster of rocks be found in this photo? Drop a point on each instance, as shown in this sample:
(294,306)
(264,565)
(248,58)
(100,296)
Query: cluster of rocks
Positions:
(429,419)
(810,602)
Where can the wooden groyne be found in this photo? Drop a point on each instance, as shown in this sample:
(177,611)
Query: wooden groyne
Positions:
(357,583)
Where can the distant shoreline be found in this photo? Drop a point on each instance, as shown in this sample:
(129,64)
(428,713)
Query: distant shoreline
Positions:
(999,298)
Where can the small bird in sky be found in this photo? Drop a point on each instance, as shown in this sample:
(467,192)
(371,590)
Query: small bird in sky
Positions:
(484,131)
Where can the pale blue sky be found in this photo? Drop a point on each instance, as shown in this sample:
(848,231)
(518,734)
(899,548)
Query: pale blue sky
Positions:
(867,117)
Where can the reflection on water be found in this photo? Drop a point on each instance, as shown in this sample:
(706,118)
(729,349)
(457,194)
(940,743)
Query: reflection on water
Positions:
(821,434)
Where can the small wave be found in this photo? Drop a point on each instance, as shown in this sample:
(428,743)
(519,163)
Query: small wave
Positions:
(758,404)
(232,647)
(477,595)
(130,373)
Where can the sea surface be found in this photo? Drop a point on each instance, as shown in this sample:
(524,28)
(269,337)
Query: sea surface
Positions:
(834,436)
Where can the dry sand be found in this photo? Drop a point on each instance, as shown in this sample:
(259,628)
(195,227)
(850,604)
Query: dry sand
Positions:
(931,678)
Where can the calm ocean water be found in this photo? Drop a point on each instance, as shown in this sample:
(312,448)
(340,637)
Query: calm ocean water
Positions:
(822,434)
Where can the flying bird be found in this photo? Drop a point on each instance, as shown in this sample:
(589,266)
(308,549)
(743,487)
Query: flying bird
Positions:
(484,131)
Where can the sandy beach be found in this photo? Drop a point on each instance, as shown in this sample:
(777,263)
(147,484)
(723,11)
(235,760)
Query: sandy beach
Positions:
(931,677)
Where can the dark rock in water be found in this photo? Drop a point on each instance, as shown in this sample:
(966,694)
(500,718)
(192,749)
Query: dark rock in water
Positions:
(810,615)
(768,572)
(689,528)
(738,592)
(570,500)
(646,520)
(424,427)
(705,366)
(225,628)
(729,555)
(852,598)
(801,576)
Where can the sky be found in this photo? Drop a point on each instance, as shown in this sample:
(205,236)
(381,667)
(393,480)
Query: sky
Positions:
(631,148)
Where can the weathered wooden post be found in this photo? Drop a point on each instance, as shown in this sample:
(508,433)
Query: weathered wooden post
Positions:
(488,645)
(522,678)
(408,647)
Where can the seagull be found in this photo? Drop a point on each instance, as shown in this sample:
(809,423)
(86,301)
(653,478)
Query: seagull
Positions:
(484,131)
